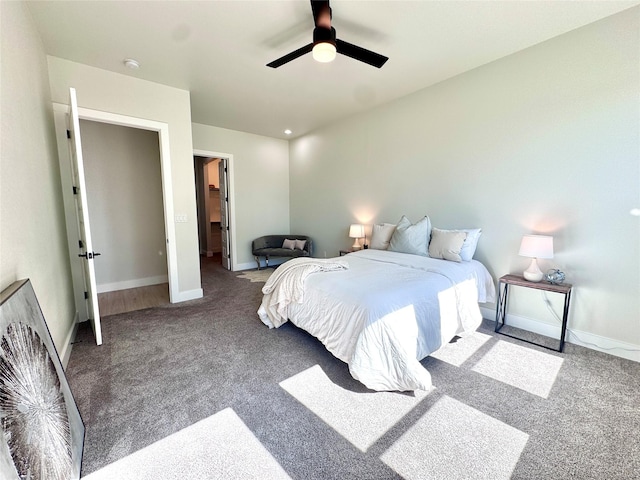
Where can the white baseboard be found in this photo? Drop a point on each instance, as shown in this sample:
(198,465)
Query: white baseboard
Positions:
(577,337)
(136,282)
(188,295)
(65,354)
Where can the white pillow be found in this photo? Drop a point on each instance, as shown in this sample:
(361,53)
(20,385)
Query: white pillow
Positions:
(411,238)
(289,244)
(446,244)
(381,235)
(300,244)
(470,243)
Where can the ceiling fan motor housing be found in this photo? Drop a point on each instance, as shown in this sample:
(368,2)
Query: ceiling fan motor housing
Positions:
(324,35)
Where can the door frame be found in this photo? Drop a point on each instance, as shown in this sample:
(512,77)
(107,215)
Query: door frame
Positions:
(165,170)
(232,203)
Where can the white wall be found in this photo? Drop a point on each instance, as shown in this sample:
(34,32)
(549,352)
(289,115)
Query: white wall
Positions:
(120,94)
(33,241)
(260,176)
(124,194)
(543,141)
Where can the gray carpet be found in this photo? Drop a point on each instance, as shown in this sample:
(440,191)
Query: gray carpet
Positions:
(204,390)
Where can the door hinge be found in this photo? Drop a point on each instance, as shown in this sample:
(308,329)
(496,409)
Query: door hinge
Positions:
(75,190)
(86,295)
(68,133)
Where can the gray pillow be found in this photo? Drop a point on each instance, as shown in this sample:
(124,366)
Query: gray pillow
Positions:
(411,238)
(300,244)
(446,244)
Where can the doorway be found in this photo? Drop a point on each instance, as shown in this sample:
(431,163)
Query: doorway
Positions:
(215,205)
(124,195)
(209,207)
(67,117)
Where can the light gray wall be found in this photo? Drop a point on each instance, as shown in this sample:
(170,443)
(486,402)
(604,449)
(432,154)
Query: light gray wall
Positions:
(33,240)
(124,193)
(124,95)
(260,176)
(542,141)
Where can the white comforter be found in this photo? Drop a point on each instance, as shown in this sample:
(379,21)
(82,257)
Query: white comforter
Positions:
(382,312)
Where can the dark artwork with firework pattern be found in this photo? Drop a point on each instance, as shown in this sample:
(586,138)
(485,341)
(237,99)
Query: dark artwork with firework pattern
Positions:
(42,432)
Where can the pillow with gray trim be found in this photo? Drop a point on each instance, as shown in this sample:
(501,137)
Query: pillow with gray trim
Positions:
(446,244)
(289,244)
(381,235)
(411,238)
(300,244)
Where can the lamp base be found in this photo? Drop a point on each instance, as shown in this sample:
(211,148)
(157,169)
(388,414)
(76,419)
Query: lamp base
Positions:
(356,245)
(533,273)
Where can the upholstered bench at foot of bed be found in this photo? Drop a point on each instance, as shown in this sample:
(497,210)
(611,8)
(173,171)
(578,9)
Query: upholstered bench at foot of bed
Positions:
(271,246)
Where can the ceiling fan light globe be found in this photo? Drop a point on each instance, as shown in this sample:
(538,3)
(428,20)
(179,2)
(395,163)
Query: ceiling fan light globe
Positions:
(324,52)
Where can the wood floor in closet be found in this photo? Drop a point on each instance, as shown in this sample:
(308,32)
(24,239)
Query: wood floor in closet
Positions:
(120,301)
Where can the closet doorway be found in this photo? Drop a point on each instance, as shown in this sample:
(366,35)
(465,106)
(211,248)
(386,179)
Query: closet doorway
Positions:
(214,204)
(124,194)
(209,208)
(63,115)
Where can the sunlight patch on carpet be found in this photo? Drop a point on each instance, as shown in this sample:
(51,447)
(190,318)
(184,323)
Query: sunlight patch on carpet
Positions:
(361,418)
(458,352)
(256,275)
(521,367)
(218,447)
(453,441)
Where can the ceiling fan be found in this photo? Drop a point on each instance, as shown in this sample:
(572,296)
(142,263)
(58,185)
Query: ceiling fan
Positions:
(325,45)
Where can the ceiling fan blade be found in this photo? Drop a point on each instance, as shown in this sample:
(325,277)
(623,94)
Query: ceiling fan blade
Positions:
(290,56)
(359,53)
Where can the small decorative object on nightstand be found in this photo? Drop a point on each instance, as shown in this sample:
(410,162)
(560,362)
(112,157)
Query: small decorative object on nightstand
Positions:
(554,276)
(501,306)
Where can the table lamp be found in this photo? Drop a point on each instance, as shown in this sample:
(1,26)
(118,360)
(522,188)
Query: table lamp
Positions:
(535,246)
(356,231)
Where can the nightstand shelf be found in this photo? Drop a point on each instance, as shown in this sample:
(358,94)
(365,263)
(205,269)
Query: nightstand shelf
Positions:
(516,280)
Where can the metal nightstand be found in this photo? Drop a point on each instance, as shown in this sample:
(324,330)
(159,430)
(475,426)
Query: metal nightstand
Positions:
(501,306)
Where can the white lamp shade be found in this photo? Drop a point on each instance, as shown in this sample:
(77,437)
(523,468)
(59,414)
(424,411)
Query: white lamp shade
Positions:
(324,52)
(536,246)
(356,230)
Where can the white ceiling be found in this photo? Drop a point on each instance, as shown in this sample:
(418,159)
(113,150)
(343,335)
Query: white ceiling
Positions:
(218,49)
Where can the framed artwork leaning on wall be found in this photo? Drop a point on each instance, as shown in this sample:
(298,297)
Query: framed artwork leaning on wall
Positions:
(42,431)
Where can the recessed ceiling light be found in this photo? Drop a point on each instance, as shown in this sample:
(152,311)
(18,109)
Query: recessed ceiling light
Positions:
(288,132)
(131,63)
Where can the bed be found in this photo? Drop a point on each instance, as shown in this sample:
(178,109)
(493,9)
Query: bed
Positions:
(379,311)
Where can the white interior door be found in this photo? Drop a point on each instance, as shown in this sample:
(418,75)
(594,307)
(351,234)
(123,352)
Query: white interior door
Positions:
(84,229)
(224,212)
